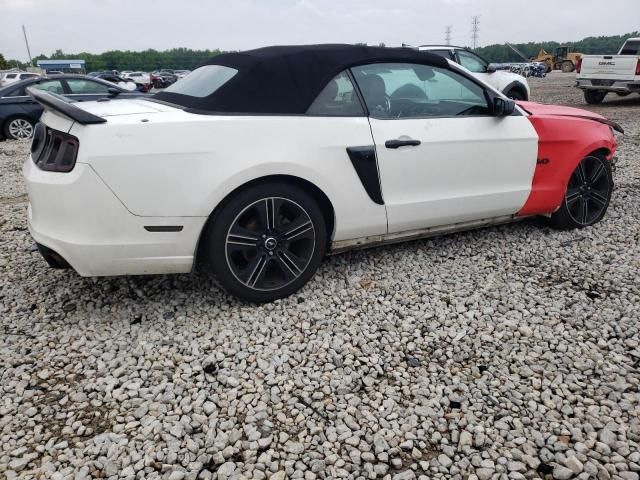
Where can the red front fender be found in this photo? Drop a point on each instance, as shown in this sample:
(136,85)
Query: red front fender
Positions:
(563,143)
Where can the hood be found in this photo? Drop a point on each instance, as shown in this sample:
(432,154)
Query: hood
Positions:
(541,109)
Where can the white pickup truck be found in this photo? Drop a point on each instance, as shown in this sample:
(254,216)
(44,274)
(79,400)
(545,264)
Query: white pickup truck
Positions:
(597,75)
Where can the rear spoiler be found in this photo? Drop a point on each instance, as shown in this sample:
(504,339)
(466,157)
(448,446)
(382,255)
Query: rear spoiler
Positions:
(58,103)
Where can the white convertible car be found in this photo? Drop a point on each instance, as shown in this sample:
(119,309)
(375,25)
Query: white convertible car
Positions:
(256,165)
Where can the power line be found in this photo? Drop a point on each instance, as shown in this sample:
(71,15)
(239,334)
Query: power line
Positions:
(447,34)
(475,29)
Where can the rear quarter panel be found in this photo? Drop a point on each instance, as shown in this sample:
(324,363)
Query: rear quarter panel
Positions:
(563,143)
(180,164)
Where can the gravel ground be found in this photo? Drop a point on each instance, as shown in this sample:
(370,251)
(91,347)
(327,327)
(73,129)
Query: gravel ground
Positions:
(510,352)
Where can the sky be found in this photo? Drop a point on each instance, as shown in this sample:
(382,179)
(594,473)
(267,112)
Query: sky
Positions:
(100,25)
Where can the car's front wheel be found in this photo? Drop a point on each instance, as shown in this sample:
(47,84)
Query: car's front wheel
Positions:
(18,128)
(588,194)
(265,242)
(516,94)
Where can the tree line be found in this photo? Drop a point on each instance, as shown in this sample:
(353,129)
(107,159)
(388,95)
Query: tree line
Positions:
(146,60)
(188,59)
(501,53)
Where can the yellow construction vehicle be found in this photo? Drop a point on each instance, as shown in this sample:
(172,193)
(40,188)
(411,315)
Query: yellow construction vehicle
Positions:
(564,59)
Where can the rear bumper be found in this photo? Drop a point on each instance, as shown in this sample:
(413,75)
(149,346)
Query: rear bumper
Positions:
(76,219)
(622,86)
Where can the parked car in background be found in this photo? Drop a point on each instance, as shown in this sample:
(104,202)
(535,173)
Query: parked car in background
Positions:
(139,77)
(104,72)
(19,112)
(598,75)
(142,79)
(125,83)
(181,73)
(511,84)
(163,78)
(293,152)
(13,77)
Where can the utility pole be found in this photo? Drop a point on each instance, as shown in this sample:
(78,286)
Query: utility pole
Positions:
(24,31)
(447,34)
(475,28)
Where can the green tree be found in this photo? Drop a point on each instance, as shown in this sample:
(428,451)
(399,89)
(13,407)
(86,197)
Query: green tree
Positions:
(3,63)
(500,53)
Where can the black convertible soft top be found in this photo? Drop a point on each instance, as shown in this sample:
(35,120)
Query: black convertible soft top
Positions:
(286,79)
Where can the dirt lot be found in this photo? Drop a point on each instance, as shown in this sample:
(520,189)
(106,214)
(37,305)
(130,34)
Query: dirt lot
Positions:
(510,352)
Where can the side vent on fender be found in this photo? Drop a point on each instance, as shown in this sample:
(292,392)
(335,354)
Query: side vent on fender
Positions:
(365,164)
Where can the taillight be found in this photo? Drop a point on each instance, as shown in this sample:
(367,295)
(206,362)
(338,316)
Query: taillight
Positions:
(579,65)
(52,150)
(638,68)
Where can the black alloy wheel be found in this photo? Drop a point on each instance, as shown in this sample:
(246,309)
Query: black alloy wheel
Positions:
(588,194)
(266,242)
(270,243)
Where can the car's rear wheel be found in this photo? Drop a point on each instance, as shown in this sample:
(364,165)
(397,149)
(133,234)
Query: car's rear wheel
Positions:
(593,97)
(265,242)
(18,128)
(588,194)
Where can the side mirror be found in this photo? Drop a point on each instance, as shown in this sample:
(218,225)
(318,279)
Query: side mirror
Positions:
(491,68)
(503,107)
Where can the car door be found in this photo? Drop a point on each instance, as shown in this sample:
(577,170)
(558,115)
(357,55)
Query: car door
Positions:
(443,158)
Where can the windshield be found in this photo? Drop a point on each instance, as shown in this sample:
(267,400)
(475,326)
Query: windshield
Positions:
(203,81)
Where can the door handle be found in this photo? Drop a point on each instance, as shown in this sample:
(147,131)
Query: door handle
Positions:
(401,143)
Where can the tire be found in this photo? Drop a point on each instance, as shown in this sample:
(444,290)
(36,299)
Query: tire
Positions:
(593,97)
(18,128)
(567,66)
(265,241)
(587,196)
(516,94)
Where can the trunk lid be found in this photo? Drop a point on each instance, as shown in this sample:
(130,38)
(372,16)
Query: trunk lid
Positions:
(122,106)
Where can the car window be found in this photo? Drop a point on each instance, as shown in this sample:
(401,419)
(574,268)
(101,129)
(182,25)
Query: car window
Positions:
(16,92)
(28,75)
(50,86)
(203,81)
(11,75)
(80,86)
(472,62)
(442,53)
(631,48)
(403,90)
(337,98)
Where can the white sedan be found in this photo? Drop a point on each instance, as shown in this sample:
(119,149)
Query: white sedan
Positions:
(254,166)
